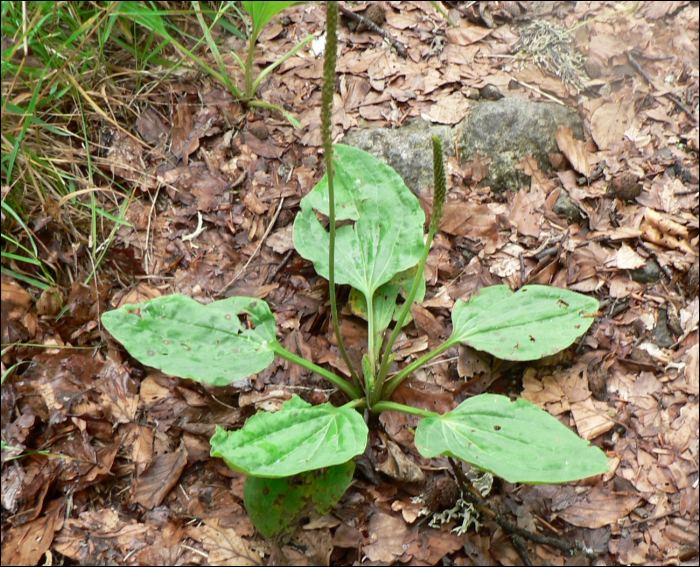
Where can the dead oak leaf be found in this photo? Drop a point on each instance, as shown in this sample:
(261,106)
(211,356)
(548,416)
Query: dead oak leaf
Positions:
(387,535)
(599,508)
(574,150)
(224,545)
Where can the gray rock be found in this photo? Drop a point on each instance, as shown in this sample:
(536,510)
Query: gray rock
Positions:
(506,131)
(408,149)
(661,334)
(509,130)
(566,209)
(648,273)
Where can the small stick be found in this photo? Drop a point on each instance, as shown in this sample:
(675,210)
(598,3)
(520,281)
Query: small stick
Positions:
(273,274)
(472,495)
(400,47)
(539,92)
(653,254)
(199,230)
(672,97)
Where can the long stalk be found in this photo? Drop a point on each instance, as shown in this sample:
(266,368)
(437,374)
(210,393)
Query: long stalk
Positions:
(395,381)
(248,94)
(386,358)
(389,406)
(326,110)
(439,195)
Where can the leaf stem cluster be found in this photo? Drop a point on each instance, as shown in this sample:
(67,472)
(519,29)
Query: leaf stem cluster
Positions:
(326,136)
(440,192)
(260,13)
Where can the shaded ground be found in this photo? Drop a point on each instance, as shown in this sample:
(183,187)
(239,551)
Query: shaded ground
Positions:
(128,478)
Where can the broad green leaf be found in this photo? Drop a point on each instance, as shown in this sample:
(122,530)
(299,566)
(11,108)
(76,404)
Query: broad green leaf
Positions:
(263,12)
(532,323)
(385,302)
(207,343)
(385,298)
(298,438)
(386,236)
(276,504)
(514,440)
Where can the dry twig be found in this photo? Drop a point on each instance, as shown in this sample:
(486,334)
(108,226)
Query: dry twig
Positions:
(400,47)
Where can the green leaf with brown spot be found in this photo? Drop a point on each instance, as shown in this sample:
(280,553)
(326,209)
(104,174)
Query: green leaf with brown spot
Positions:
(529,324)
(218,343)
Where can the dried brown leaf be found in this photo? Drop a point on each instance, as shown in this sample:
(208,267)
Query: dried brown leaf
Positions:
(151,487)
(609,122)
(574,150)
(224,545)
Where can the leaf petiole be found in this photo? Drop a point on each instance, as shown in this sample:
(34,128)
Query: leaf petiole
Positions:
(351,391)
(393,406)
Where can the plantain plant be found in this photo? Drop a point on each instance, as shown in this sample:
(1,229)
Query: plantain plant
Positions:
(299,460)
